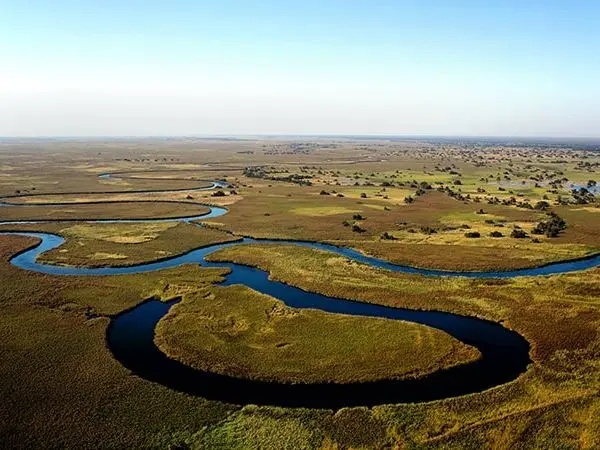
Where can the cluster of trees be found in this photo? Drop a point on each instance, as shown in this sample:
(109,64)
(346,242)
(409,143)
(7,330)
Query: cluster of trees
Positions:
(551,227)
(582,196)
(263,173)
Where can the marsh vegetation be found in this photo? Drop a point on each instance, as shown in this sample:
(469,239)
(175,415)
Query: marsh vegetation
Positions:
(525,204)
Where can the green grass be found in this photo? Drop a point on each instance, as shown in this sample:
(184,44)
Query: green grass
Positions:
(239,332)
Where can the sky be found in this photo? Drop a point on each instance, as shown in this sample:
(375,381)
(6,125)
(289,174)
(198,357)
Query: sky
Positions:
(426,67)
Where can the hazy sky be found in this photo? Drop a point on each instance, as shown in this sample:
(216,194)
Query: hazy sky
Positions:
(445,67)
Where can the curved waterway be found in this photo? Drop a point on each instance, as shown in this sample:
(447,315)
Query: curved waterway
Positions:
(130,335)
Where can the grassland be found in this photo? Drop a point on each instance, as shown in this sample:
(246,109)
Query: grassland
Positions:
(61,387)
(120,210)
(122,244)
(430,232)
(564,340)
(239,332)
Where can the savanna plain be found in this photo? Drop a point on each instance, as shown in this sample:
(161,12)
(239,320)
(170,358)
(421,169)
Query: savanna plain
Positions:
(446,204)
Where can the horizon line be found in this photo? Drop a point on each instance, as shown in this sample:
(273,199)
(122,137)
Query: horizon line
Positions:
(322,135)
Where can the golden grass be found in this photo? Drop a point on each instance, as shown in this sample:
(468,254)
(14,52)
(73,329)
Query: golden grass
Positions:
(117,233)
(93,244)
(319,211)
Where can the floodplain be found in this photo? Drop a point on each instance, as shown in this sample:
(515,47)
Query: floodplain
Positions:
(450,205)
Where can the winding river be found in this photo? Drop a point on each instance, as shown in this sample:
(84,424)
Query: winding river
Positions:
(130,335)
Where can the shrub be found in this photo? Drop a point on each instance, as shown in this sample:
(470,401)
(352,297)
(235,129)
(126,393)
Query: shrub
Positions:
(472,234)
(357,229)
(496,234)
(518,233)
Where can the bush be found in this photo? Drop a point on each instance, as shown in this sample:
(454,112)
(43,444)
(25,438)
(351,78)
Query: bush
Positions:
(496,234)
(219,194)
(472,234)
(357,229)
(428,230)
(518,233)
(323,193)
(387,236)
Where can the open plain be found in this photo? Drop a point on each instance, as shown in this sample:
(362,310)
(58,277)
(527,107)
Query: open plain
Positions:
(439,209)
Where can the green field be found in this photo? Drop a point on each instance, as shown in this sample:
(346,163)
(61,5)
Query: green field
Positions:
(236,331)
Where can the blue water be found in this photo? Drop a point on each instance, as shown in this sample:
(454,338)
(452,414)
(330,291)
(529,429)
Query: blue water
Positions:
(28,260)
(215,211)
(130,335)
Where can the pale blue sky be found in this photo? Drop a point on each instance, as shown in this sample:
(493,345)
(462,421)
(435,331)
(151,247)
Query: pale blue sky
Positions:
(328,67)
